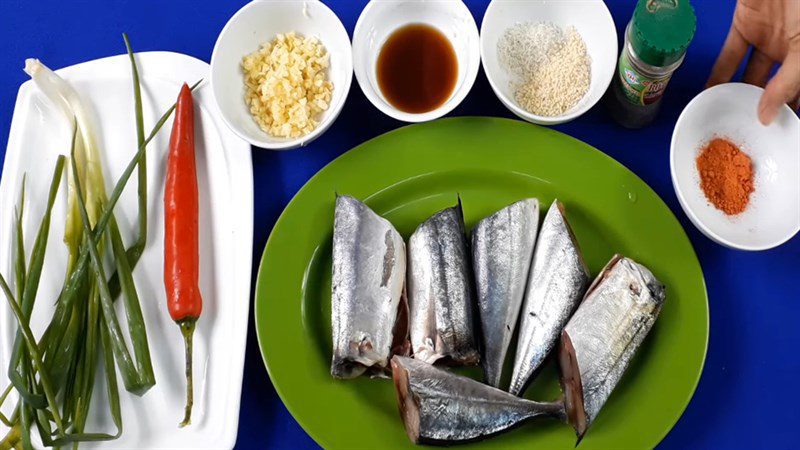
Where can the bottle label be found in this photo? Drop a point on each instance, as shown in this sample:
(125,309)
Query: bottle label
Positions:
(640,89)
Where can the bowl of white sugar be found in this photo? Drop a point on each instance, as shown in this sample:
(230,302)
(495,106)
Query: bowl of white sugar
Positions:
(548,62)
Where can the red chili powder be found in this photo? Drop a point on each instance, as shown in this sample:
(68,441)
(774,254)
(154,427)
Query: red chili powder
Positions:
(726,175)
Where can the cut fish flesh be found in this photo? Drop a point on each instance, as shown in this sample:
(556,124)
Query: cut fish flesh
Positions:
(599,341)
(367,301)
(502,248)
(558,279)
(440,291)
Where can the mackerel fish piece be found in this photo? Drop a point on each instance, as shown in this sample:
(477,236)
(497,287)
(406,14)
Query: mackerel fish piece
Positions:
(439,407)
(440,291)
(558,279)
(368,302)
(502,249)
(599,341)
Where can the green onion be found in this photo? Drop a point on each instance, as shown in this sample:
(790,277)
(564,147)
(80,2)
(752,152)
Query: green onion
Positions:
(22,318)
(5,420)
(31,286)
(130,376)
(25,421)
(19,265)
(90,171)
(138,247)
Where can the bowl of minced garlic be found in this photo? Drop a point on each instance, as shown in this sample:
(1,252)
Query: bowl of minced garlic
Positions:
(280,72)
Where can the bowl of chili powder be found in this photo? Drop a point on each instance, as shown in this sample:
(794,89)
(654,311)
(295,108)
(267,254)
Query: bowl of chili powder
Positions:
(737,180)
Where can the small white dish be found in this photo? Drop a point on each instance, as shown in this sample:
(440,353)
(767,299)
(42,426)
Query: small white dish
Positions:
(592,20)
(256,23)
(380,18)
(730,111)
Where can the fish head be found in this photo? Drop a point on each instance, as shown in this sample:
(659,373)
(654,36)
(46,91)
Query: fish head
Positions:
(407,402)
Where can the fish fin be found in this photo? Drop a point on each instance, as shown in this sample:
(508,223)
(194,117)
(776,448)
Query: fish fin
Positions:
(460,207)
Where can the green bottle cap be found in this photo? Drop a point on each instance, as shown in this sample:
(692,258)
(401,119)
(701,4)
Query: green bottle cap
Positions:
(661,30)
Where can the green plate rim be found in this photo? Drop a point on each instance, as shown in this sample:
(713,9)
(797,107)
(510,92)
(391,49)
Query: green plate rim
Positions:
(259,287)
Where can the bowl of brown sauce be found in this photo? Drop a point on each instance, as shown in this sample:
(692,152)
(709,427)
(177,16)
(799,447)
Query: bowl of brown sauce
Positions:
(416,60)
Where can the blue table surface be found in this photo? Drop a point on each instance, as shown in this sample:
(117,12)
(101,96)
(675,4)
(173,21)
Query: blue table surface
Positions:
(746,398)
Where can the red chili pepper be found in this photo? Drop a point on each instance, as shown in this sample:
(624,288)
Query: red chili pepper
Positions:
(181,256)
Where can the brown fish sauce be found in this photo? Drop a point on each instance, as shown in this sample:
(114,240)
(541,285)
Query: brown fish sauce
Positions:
(417,68)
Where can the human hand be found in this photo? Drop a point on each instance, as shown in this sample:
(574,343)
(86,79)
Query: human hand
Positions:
(772,28)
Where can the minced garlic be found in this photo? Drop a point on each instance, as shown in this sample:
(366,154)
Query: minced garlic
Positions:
(286,84)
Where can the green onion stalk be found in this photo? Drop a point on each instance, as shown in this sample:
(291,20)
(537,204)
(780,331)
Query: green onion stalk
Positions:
(54,377)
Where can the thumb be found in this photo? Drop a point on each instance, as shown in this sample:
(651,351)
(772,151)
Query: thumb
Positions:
(783,88)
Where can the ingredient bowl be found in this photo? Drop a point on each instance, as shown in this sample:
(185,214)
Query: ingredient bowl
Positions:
(589,17)
(381,18)
(257,23)
(730,111)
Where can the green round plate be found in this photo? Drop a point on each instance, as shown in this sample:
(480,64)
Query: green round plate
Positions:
(409,174)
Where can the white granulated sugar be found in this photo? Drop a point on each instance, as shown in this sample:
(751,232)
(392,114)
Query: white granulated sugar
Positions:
(526,45)
(549,67)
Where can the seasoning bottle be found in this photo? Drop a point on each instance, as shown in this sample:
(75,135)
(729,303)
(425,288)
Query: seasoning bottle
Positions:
(655,44)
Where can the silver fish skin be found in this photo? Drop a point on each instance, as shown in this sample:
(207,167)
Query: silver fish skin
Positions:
(369,268)
(558,279)
(440,290)
(440,407)
(600,340)
(502,250)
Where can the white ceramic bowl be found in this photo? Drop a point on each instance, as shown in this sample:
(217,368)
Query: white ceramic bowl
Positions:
(592,20)
(258,22)
(730,111)
(381,18)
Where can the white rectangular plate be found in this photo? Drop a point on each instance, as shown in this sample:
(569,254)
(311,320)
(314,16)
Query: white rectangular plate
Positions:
(39,133)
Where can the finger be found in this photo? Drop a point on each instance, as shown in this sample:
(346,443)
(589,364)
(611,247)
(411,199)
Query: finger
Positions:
(758,67)
(795,103)
(729,58)
(782,88)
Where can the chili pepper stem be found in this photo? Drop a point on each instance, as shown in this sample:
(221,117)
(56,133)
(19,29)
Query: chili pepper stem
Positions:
(187,330)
